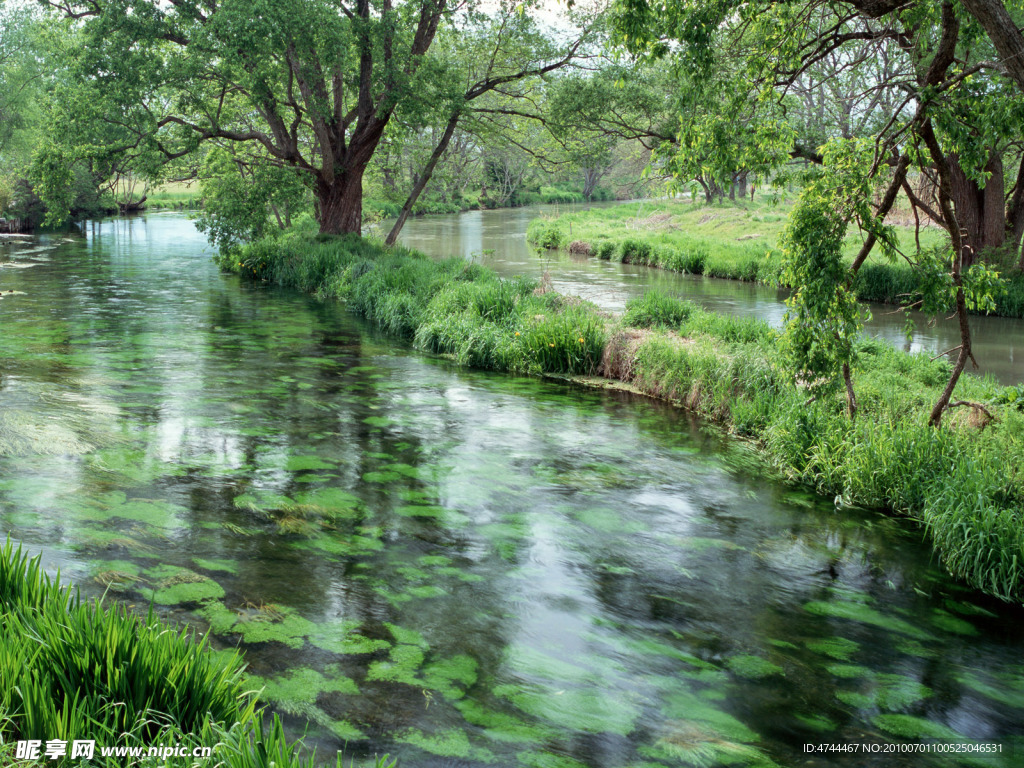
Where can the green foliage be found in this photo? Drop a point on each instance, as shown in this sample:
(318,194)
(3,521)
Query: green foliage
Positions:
(72,669)
(823,317)
(657,309)
(753,667)
(244,201)
(546,234)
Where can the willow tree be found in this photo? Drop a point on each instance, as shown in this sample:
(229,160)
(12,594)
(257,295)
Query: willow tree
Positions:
(311,84)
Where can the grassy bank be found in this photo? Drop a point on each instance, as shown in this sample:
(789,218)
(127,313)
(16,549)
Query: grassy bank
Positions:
(72,669)
(735,241)
(963,483)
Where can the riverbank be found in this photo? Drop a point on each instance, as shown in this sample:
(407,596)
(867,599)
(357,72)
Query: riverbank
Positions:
(735,241)
(74,669)
(963,483)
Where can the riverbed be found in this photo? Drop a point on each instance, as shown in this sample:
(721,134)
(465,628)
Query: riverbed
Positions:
(457,567)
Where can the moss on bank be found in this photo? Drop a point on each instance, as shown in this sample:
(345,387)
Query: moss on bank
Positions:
(735,242)
(72,669)
(962,482)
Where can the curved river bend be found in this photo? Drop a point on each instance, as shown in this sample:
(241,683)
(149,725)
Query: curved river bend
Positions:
(460,568)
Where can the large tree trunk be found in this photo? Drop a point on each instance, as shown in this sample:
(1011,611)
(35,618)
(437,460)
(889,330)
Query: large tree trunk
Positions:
(339,203)
(980,215)
(741,184)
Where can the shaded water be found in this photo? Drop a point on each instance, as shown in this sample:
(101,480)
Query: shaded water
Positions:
(502,233)
(458,567)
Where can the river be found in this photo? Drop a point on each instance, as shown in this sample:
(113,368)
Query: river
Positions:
(498,239)
(457,567)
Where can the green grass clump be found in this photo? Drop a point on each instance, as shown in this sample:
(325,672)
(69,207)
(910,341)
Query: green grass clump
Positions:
(657,309)
(75,669)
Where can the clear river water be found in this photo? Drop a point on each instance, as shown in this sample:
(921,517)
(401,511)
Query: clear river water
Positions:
(457,567)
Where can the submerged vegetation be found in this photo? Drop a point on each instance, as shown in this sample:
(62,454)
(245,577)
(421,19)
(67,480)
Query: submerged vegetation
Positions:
(72,669)
(963,482)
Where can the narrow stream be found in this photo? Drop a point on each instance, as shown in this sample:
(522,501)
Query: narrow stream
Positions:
(499,239)
(456,567)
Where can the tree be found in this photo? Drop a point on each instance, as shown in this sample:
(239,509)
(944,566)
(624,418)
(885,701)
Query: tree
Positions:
(310,84)
(497,60)
(939,102)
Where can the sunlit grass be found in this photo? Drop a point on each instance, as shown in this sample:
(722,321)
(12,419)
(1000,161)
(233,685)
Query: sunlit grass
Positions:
(735,241)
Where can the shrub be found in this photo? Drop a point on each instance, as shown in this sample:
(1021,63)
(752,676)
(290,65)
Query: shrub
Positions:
(606,249)
(635,251)
(657,309)
(545,234)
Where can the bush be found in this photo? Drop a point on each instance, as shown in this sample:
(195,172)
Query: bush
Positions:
(606,249)
(635,251)
(546,234)
(657,309)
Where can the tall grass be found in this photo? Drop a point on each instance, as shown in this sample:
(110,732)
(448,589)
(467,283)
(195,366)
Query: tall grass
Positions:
(963,483)
(448,306)
(72,669)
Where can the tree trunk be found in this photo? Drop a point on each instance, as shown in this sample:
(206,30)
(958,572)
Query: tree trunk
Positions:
(339,203)
(741,181)
(422,179)
(1007,39)
(980,215)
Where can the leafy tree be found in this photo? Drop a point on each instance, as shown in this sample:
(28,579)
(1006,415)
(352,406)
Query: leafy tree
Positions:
(243,200)
(939,106)
(496,60)
(308,84)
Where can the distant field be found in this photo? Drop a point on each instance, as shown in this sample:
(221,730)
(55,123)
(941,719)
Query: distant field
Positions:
(175,195)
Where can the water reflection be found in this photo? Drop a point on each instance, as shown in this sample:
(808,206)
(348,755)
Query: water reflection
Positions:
(456,567)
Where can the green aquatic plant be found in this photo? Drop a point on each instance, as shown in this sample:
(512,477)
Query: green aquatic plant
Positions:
(753,667)
(182,586)
(818,723)
(451,677)
(866,615)
(839,648)
(910,727)
(501,726)
(401,666)
(547,760)
(449,742)
(589,710)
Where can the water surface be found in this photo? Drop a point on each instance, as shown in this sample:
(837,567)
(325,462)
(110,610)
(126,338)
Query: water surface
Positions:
(457,567)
